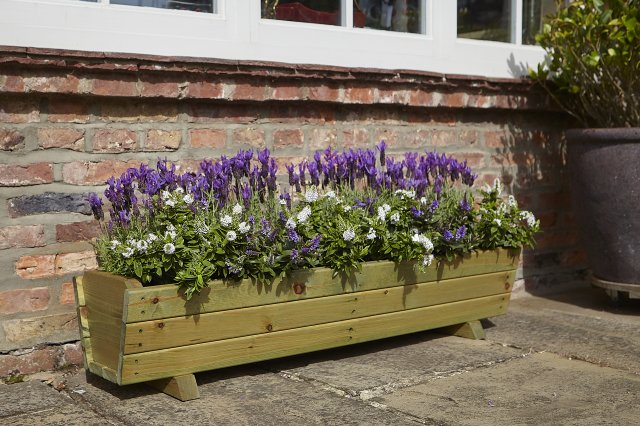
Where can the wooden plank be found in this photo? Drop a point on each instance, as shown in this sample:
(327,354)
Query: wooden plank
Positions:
(103,371)
(224,353)
(104,296)
(469,330)
(83,323)
(151,303)
(188,330)
(184,388)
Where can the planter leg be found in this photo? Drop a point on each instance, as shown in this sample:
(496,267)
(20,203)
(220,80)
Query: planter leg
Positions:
(470,330)
(183,388)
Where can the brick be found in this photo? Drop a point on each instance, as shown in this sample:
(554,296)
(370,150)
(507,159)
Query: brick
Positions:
(31,174)
(22,236)
(114,140)
(442,138)
(322,138)
(11,83)
(468,137)
(389,136)
(72,354)
(24,300)
(33,267)
(11,139)
(205,90)
(67,294)
(139,112)
(93,173)
(34,361)
(207,138)
(454,100)
(398,96)
(77,231)
(418,139)
(204,113)
(68,111)
(160,86)
(495,139)
(66,138)
(324,93)
(282,162)
(248,92)
(358,95)
(420,97)
(115,86)
(64,83)
(514,158)
(19,111)
(40,328)
(249,136)
(287,92)
(163,140)
(475,160)
(48,202)
(355,138)
(288,138)
(67,263)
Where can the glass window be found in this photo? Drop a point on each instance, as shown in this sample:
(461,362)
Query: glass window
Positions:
(485,19)
(534,13)
(404,16)
(326,12)
(206,6)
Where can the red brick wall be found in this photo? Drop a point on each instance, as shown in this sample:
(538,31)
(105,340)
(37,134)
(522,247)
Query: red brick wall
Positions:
(69,120)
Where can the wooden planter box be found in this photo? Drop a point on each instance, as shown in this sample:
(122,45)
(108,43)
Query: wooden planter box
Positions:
(133,334)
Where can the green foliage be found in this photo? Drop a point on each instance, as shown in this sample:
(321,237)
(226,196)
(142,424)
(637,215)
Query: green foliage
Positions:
(593,49)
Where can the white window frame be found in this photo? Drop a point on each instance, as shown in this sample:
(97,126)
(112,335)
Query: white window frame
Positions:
(237,31)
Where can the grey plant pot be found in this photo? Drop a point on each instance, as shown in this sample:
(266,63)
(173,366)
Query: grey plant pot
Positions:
(605,180)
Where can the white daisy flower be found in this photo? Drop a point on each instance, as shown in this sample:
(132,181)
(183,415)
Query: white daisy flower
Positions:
(330,194)
(169,248)
(346,208)
(497,221)
(371,235)
(142,246)
(395,218)
(151,238)
(171,234)
(171,228)
(382,214)
(188,199)
(291,224)
(511,201)
(127,253)
(179,190)
(349,234)
(497,185)
(283,202)
(528,217)
(165,195)
(169,202)
(231,236)
(244,227)
(423,200)
(427,260)
(226,220)
(114,244)
(237,209)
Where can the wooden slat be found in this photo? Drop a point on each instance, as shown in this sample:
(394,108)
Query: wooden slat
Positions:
(208,356)
(103,371)
(166,301)
(83,323)
(104,297)
(184,388)
(188,330)
(468,330)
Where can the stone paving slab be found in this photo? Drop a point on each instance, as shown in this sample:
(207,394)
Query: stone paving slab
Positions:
(540,389)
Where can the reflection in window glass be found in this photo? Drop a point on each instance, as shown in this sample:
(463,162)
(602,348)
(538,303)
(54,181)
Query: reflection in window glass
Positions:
(485,19)
(325,12)
(534,13)
(391,15)
(205,6)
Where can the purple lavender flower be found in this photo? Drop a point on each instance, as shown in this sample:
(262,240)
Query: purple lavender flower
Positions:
(461,232)
(382,147)
(295,256)
(96,206)
(464,205)
(434,206)
(416,213)
(315,243)
(447,235)
(293,236)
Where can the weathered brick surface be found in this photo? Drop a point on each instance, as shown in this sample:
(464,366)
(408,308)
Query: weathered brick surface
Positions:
(19,111)
(322,138)
(22,236)
(248,136)
(26,330)
(207,138)
(163,140)
(114,140)
(285,138)
(38,266)
(33,361)
(67,295)
(69,111)
(30,174)
(77,231)
(48,202)
(10,139)
(24,300)
(94,173)
(61,137)
(67,263)
(355,138)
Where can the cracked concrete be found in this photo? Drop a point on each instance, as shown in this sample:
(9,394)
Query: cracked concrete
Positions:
(566,359)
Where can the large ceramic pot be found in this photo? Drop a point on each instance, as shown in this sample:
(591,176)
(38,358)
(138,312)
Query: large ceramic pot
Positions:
(605,180)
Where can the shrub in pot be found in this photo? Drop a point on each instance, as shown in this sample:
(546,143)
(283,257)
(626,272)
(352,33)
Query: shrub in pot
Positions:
(593,72)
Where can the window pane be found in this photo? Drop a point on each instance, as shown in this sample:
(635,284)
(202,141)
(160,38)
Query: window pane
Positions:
(325,12)
(534,13)
(485,19)
(392,15)
(193,5)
